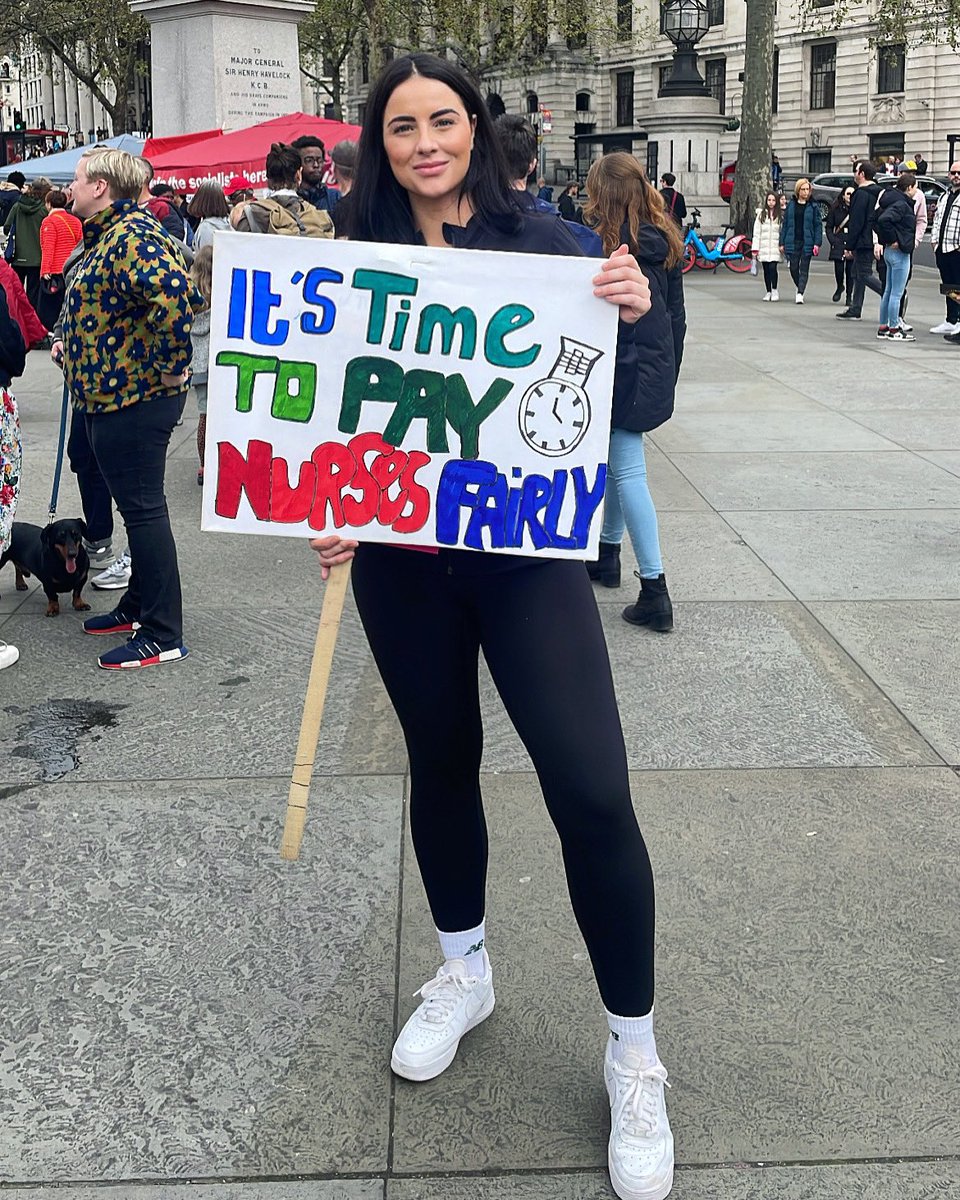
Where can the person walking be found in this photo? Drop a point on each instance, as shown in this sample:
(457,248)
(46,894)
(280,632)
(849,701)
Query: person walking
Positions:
(673,200)
(126,335)
(920,228)
(23,225)
(802,233)
(921,164)
(430,170)
(767,238)
(627,211)
(837,220)
(858,239)
(60,233)
(210,211)
(13,358)
(945,237)
(896,228)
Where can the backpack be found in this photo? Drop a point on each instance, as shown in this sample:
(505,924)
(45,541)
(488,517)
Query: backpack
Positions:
(270,216)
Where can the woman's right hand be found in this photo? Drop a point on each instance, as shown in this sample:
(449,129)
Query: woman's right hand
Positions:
(332,551)
(56,353)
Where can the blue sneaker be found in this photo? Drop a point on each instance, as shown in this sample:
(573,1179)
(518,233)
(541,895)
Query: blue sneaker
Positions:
(115,621)
(140,652)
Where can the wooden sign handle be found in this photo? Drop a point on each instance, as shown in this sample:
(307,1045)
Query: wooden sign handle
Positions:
(299,795)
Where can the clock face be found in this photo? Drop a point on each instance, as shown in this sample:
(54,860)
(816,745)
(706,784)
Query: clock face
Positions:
(554,416)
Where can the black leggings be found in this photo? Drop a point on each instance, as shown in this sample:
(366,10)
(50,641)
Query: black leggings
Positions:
(799,270)
(843,274)
(427,616)
(769,276)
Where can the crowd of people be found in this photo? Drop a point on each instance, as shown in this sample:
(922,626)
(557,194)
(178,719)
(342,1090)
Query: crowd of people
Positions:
(873,233)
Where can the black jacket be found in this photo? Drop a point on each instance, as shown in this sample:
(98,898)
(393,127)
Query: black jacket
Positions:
(675,203)
(649,352)
(859,234)
(13,354)
(896,220)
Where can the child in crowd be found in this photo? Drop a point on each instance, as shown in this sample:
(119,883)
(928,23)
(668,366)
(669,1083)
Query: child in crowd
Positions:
(202,275)
(766,243)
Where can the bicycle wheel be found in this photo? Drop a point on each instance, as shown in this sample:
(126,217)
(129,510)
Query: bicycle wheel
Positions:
(689,258)
(742,246)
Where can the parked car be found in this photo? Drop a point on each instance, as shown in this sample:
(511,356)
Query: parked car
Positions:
(827,187)
(932,190)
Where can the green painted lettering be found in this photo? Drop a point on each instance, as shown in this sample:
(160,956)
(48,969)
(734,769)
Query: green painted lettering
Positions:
(422,396)
(294,403)
(505,321)
(466,417)
(249,366)
(367,378)
(382,285)
(439,316)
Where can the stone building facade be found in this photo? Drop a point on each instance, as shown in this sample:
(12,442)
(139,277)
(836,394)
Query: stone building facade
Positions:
(835,94)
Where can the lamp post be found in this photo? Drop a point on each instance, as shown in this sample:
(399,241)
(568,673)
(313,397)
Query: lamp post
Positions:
(685,22)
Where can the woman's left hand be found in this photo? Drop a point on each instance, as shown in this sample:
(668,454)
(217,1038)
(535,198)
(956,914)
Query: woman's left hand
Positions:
(621,282)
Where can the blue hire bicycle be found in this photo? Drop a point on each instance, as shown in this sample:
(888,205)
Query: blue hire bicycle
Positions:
(733,251)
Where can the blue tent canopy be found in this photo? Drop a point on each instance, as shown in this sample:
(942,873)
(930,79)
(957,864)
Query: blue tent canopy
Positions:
(59,168)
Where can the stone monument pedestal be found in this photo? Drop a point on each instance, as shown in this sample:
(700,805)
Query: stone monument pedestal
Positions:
(222,64)
(686,130)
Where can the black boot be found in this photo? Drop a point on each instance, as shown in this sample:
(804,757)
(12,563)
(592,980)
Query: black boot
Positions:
(837,294)
(607,567)
(653,607)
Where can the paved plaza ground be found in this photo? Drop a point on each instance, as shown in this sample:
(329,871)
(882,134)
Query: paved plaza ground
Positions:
(183,1014)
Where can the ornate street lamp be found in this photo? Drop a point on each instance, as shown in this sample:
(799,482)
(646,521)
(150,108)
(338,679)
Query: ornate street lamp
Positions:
(685,22)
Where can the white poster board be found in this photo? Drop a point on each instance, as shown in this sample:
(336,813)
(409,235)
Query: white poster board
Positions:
(405,394)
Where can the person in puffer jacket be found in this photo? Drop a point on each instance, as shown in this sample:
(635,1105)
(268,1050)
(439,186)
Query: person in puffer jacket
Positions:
(627,210)
(766,243)
(896,231)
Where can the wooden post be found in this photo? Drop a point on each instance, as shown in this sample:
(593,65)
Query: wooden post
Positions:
(330,614)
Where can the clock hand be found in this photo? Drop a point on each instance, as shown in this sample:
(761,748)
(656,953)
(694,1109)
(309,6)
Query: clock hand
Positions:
(554,410)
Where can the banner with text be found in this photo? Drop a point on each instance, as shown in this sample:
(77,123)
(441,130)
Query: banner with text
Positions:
(436,397)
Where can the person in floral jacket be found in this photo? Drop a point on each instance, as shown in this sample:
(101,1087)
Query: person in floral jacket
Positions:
(13,356)
(127,317)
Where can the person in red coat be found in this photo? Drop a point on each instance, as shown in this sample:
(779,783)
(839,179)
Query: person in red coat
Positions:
(20,307)
(60,231)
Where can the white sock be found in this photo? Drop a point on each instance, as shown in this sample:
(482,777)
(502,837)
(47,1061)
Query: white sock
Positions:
(468,944)
(633,1033)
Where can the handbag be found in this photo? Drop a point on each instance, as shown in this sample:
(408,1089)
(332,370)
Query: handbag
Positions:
(753,266)
(10,249)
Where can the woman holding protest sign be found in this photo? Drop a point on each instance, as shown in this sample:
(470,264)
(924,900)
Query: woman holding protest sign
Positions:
(431,171)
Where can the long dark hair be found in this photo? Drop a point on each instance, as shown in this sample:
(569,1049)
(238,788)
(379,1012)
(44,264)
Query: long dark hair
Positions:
(381,207)
(620,194)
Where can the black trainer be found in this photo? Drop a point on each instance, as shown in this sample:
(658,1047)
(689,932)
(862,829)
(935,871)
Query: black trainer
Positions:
(848,316)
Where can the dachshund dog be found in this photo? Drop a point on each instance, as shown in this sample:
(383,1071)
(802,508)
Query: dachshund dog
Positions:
(55,555)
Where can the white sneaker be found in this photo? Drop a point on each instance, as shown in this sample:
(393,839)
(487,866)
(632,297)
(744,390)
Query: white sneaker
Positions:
(454,1002)
(767,296)
(8,655)
(799,297)
(774,295)
(117,575)
(640,1151)
(945,327)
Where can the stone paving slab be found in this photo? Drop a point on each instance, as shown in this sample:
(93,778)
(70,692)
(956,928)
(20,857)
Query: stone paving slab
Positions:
(916,430)
(912,650)
(343,1189)
(948,459)
(766,432)
(735,685)
(881,1181)
(882,555)
(805,955)
(179,1001)
(231,709)
(837,481)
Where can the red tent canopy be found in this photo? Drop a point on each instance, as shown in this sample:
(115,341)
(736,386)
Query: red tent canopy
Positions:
(156,146)
(243,152)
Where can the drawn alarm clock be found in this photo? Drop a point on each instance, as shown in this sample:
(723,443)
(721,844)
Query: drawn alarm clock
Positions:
(555,412)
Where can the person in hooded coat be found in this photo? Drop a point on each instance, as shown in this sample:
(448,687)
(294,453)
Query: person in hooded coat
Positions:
(624,208)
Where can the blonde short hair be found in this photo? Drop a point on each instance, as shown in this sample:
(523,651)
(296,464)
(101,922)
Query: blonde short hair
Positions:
(120,170)
(799,184)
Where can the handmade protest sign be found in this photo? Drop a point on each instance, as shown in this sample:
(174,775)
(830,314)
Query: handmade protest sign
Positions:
(406,394)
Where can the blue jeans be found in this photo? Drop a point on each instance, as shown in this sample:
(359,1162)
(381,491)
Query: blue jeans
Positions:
(628,502)
(898,268)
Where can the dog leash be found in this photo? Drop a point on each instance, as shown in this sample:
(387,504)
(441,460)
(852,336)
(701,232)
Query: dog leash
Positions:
(64,406)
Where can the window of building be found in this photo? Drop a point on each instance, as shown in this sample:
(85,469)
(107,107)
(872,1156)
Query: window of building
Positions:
(715,77)
(823,74)
(818,161)
(583,102)
(624,98)
(653,168)
(364,61)
(775,97)
(533,102)
(882,145)
(891,68)
(822,3)
(624,20)
(714,12)
(663,74)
